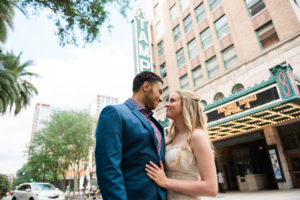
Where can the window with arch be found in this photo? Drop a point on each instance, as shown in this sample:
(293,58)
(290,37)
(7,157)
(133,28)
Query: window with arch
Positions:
(218,96)
(237,88)
(203,102)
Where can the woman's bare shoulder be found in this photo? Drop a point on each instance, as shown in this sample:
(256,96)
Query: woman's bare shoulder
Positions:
(198,134)
(199,137)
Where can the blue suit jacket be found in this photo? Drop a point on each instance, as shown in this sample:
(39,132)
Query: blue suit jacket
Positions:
(125,143)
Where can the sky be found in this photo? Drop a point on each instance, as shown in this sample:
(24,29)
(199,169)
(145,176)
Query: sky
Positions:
(70,77)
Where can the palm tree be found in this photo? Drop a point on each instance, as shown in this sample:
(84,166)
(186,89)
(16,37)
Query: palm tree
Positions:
(25,89)
(8,90)
(6,17)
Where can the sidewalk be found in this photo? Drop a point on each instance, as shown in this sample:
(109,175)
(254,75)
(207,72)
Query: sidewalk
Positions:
(292,194)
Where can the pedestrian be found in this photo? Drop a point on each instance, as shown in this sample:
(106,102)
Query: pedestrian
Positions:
(127,138)
(221,182)
(190,167)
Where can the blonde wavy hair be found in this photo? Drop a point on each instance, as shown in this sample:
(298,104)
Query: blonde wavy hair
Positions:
(193,116)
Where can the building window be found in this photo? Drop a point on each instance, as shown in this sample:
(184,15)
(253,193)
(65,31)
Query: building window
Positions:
(203,102)
(267,35)
(212,67)
(192,48)
(158,29)
(254,6)
(200,13)
(180,57)
(229,57)
(176,33)
(160,48)
(183,4)
(213,4)
(237,88)
(156,10)
(184,82)
(165,94)
(218,96)
(187,24)
(197,76)
(222,27)
(206,39)
(173,12)
(163,70)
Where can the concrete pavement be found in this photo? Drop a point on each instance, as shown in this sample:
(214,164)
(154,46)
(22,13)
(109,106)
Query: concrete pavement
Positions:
(293,194)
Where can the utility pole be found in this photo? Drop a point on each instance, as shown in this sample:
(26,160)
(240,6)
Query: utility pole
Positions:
(43,172)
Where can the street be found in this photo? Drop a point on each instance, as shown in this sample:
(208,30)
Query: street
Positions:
(293,194)
(9,198)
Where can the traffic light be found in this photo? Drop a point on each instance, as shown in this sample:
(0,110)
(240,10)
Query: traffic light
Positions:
(22,173)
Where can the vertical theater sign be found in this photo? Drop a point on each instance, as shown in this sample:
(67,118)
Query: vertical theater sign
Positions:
(141,43)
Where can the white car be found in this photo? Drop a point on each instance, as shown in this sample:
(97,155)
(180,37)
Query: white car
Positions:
(37,191)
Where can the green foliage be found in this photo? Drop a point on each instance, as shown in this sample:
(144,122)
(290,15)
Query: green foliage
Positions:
(35,170)
(15,88)
(4,185)
(8,90)
(66,139)
(6,17)
(77,19)
(7,11)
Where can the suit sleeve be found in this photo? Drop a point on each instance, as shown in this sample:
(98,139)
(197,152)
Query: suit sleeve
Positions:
(108,154)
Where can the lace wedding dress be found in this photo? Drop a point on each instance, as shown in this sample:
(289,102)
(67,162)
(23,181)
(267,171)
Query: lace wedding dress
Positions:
(181,165)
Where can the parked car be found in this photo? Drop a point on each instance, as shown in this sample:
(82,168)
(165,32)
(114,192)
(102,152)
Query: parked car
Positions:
(37,191)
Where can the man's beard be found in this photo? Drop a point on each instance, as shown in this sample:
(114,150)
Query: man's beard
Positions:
(149,102)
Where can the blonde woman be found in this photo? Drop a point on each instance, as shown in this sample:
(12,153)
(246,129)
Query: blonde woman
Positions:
(189,159)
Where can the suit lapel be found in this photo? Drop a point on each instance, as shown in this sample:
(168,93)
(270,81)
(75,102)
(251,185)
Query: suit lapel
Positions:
(143,120)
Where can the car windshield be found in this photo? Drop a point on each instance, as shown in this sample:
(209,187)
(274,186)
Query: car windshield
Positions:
(39,187)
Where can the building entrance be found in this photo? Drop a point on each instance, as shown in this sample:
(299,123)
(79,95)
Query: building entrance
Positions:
(294,166)
(290,137)
(247,166)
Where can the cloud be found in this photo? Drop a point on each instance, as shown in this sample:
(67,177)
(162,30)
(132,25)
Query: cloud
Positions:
(106,71)
(15,135)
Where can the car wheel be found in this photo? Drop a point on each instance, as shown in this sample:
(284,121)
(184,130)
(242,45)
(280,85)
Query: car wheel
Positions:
(31,198)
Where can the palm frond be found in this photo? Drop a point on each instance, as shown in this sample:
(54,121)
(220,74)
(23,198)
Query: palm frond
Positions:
(16,92)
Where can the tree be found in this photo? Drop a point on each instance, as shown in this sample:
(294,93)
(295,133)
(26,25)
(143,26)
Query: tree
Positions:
(6,17)
(74,17)
(80,146)
(7,11)
(15,88)
(64,143)
(8,90)
(4,185)
(32,171)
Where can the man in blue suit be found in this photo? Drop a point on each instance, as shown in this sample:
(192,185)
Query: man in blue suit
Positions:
(127,138)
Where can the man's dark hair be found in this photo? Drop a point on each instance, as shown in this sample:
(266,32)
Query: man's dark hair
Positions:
(142,77)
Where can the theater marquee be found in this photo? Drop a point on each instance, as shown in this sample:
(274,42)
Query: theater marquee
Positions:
(243,104)
(265,104)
